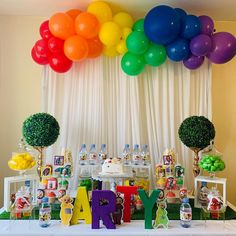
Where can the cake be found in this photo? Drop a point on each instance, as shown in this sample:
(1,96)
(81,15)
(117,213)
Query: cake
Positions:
(112,166)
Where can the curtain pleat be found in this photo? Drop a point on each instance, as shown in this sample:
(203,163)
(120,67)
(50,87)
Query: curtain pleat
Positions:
(95,102)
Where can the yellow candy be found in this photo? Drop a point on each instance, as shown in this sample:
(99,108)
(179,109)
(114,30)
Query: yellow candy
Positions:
(16,158)
(21,161)
(28,157)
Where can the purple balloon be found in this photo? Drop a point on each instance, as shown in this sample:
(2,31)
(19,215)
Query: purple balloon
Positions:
(223,48)
(207,25)
(193,62)
(201,45)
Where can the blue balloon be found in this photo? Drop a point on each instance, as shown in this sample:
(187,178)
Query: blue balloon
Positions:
(178,50)
(162,24)
(191,27)
(181,13)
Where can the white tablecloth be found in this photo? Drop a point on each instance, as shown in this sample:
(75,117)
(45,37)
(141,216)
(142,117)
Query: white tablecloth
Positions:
(201,228)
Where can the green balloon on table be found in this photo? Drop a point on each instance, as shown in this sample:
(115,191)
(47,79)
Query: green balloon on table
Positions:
(137,42)
(138,25)
(155,55)
(132,64)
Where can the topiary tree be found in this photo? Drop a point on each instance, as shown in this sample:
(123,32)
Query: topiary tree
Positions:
(40,130)
(196,132)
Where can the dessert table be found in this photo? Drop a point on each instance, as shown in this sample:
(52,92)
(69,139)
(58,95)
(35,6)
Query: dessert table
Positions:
(201,228)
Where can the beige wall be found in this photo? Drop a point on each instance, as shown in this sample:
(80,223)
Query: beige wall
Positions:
(20,87)
(20,83)
(224,113)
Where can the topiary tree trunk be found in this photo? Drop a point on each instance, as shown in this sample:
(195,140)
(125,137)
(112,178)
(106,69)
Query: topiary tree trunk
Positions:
(196,169)
(40,160)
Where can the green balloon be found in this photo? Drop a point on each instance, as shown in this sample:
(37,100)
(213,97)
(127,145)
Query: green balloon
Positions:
(138,25)
(137,42)
(132,64)
(155,55)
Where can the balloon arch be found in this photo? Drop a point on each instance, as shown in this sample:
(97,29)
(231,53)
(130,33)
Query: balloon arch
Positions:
(164,32)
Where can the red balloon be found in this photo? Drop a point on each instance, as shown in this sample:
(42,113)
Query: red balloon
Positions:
(55,44)
(41,47)
(41,60)
(44,30)
(59,62)
(95,47)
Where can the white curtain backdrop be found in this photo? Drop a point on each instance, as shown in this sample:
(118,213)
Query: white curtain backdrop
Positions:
(95,102)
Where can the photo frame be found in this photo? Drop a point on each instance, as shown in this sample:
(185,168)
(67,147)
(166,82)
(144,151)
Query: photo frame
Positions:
(179,171)
(46,171)
(168,160)
(59,160)
(160,171)
(169,170)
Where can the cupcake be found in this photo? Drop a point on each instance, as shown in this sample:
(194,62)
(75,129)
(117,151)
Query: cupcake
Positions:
(139,205)
(52,197)
(63,184)
(171,198)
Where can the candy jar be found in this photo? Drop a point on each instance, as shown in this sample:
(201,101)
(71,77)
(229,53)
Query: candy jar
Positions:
(22,206)
(23,159)
(212,162)
(215,203)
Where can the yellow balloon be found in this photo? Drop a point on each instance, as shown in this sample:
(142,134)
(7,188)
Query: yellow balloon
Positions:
(110,33)
(121,47)
(110,51)
(123,19)
(101,10)
(125,32)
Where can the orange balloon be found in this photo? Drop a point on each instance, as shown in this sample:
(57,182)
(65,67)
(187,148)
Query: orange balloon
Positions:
(73,13)
(61,25)
(76,48)
(95,47)
(86,25)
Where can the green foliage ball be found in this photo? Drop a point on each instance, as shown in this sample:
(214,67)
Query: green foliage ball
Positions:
(196,132)
(40,130)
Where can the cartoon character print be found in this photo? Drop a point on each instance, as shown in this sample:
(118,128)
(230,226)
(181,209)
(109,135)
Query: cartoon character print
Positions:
(171,183)
(182,193)
(118,213)
(66,210)
(161,216)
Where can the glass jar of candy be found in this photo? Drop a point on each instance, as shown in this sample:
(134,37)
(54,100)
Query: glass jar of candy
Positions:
(212,162)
